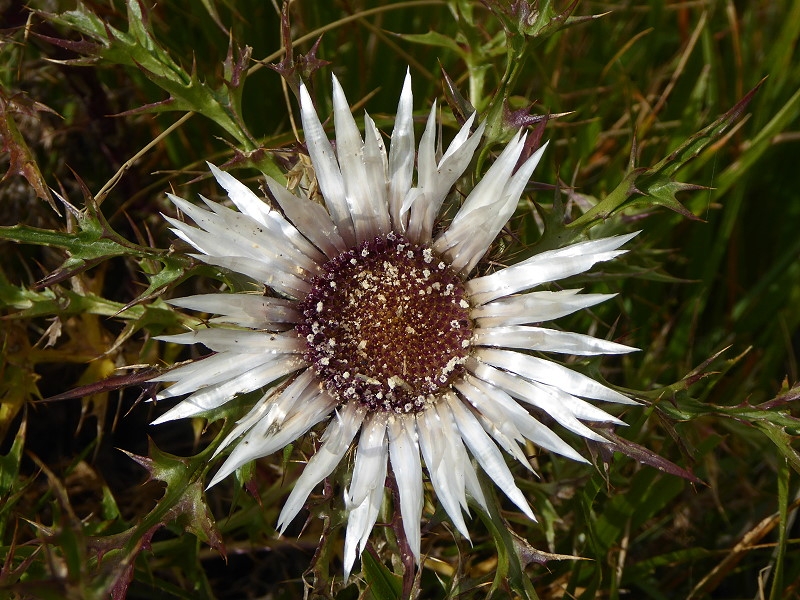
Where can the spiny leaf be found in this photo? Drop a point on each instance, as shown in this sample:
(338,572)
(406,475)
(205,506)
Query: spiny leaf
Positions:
(184,498)
(94,242)
(109,384)
(662,191)
(702,139)
(642,455)
(300,69)
(657,184)
(537,19)
(21,159)
(781,400)
(530,555)
(138,47)
(461,107)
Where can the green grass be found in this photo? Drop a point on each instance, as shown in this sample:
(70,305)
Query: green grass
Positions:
(651,93)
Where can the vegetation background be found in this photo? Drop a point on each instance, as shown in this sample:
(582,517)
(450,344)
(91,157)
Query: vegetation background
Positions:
(106,104)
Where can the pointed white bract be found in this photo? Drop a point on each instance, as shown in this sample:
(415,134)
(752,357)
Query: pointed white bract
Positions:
(364,498)
(487,208)
(435,178)
(326,168)
(244,310)
(401,156)
(336,440)
(488,401)
(407,469)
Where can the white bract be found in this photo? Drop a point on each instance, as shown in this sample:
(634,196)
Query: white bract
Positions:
(372,325)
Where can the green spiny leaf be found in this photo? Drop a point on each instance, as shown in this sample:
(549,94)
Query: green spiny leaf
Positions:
(657,183)
(138,47)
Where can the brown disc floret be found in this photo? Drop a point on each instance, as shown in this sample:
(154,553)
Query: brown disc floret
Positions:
(387,324)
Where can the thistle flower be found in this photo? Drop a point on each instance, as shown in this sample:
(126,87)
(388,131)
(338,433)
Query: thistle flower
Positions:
(372,323)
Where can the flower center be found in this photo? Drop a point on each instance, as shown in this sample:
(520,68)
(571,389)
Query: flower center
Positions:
(387,324)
